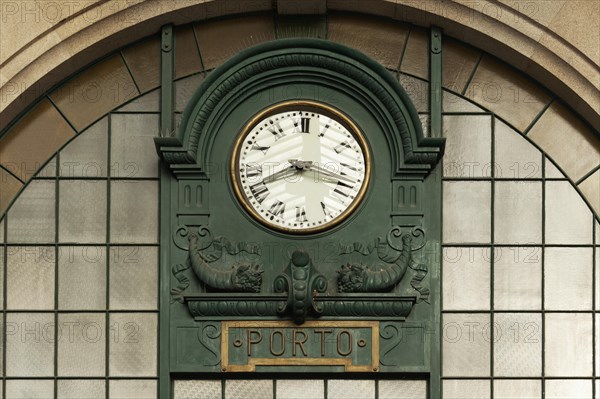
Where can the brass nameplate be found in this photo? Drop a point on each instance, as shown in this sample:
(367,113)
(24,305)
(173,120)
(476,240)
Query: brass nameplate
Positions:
(351,344)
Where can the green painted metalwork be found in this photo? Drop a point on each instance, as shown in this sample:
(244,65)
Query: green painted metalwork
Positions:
(435,81)
(371,268)
(167,187)
(436,130)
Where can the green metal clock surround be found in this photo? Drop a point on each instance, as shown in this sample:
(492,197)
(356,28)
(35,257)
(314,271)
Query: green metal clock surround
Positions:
(374,269)
(308,105)
(311,61)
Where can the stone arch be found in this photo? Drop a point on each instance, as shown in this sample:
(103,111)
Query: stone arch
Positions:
(564,57)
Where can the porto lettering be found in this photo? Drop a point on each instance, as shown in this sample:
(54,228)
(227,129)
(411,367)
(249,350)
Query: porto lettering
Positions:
(295,342)
(354,346)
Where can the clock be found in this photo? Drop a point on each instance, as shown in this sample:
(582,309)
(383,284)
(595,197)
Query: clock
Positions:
(300,167)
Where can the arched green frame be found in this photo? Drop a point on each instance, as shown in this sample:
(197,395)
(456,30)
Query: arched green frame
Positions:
(302,60)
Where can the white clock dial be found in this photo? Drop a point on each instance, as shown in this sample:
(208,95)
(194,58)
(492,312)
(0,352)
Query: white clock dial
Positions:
(300,167)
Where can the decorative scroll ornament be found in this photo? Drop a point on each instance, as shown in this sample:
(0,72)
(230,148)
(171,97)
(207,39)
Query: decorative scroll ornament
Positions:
(384,276)
(208,336)
(301,281)
(205,252)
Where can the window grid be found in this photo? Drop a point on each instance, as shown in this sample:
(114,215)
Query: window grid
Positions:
(405,387)
(492,179)
(6,244)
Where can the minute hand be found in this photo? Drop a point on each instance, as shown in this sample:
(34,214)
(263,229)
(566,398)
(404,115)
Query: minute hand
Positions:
(319,170)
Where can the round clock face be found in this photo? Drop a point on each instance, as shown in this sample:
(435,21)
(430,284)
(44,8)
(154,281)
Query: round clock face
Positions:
(300,167)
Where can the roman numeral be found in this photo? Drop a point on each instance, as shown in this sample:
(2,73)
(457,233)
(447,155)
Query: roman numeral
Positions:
(301,215)
(277,131)
(323,130)
(277,208)
(259,191)
(341,147)
(344,167)
(305,125)
(328,211)
(342,189)
(260,148)
(253,170)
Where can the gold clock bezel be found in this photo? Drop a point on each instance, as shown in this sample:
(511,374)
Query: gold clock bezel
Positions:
(324,110)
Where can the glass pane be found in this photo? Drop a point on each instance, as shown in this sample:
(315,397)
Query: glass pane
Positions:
(249,389)
(518,212)
(197,389)
(466,276)
(568,389)
(29,345)
(81,389)
(87,154)
(1,276)
(467,215)
(29,389)
(134,212)
(134,264)
(466,389)
(133,153)
(31,218)
(517,389)
(417,90)
(48,170)
(597,293)
(518,345)
(133,344)
(30,278)
(518,278)
(568,278)
(516,158)
(82,211)
(82,278)
(81,347)
(403,389)
(466,345)
(568,219)
(2,347)
(568,344)
(552,171)
(133,389)
(351,389)
(300,389)
(468,145)
(597,345)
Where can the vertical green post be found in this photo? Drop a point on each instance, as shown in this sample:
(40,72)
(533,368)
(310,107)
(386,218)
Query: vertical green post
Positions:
(435,109)
(166,126)
(435,81)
